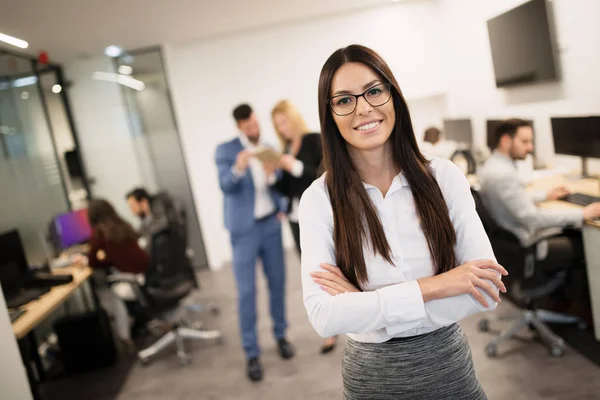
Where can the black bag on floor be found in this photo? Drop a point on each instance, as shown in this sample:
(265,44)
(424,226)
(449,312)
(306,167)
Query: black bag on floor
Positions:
(86,341)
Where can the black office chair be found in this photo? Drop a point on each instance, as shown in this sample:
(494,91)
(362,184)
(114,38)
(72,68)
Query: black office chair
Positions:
(166,285)
(526,283)
(178,231)
(468,156)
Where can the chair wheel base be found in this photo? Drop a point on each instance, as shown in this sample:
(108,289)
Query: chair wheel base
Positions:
(557,351)
(484,325)
(491,350)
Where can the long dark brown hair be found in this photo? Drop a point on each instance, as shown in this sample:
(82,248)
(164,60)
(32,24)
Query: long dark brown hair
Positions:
(354,215)
(105,221)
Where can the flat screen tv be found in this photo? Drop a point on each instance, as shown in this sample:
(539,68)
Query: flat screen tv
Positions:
(521,44)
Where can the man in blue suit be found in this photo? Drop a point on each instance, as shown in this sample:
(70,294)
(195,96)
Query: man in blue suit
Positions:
(251,208)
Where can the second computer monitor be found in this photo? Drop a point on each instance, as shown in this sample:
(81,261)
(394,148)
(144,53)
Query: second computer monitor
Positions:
(458,130)
(577,136)
(73,228)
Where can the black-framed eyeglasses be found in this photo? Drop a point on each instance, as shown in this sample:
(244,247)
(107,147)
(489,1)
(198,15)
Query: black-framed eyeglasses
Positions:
(376,96)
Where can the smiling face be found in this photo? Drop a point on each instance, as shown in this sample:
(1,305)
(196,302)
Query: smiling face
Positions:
(367,128)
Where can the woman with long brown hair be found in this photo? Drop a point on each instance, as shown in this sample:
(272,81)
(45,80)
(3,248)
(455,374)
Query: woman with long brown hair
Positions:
(114,244)
(300,161)
(114,241)
(394,254)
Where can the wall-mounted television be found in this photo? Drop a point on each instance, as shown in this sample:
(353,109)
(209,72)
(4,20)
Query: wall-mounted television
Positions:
(521,43)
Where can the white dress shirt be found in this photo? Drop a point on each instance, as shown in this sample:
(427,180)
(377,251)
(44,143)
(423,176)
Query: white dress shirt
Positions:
(391,304)
(263,201)
(505,196)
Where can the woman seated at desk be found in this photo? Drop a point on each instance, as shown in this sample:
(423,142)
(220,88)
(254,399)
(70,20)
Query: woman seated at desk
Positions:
(434,145)
(114,244)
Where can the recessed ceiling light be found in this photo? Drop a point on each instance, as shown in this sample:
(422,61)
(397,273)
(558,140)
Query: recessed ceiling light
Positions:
(56,89)
(113,51)
(125,70)
(24,95)
(14,41)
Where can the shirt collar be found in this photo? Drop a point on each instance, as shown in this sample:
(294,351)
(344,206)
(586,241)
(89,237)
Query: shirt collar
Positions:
(504,158)
(398,182)
(246,143)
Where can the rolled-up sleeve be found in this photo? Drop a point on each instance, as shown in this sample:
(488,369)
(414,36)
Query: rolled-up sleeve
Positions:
(400,305)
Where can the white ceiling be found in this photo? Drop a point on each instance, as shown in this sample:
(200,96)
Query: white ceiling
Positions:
(69,29)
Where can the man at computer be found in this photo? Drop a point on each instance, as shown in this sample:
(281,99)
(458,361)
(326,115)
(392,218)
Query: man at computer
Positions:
(507,200)
(155,212)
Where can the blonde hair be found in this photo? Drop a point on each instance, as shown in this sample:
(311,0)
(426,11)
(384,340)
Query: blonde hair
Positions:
(288,109)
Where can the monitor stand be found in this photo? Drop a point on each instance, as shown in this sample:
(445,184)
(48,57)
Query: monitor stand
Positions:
(584,170)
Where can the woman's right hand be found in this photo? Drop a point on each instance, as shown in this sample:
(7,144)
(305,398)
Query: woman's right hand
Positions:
(466,279)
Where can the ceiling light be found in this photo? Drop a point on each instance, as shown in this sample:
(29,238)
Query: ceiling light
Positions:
(26,81)
(24,95)
(125,70)
(14,41)
(113,51)
(56,89)
(122,79)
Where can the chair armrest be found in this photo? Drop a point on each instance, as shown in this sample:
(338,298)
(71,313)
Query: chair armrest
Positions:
(542,234)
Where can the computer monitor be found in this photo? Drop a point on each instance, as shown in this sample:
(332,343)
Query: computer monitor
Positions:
(458,130)
(577,136)
(72,228)
(13,263)
(73,164)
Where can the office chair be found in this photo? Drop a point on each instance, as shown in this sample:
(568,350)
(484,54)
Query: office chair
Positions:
(526,284)
(468,157)
(166,285)
(178,229)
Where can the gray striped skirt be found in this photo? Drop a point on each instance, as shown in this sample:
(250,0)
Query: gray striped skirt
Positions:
(433,366)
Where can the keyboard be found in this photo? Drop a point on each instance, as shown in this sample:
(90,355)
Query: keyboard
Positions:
(25,296)
(15,314)
(581,199)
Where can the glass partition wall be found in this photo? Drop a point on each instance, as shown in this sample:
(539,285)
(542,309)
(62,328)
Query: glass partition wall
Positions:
(157,142)
(33,184)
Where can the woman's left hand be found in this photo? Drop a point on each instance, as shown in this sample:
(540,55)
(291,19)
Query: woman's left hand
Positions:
(332,280)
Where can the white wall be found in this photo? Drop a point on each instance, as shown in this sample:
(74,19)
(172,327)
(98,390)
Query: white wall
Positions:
(208,78)
(470,77)
(13,377)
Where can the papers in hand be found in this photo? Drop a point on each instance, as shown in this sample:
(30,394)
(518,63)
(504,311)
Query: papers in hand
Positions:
(267,154)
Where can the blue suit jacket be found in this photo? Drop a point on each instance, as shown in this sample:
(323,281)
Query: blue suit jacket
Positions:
(238,192)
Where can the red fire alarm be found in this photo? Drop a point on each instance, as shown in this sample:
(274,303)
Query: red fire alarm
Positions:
(43,57)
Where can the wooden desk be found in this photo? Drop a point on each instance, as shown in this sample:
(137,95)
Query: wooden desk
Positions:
(591,234)
(37,310)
